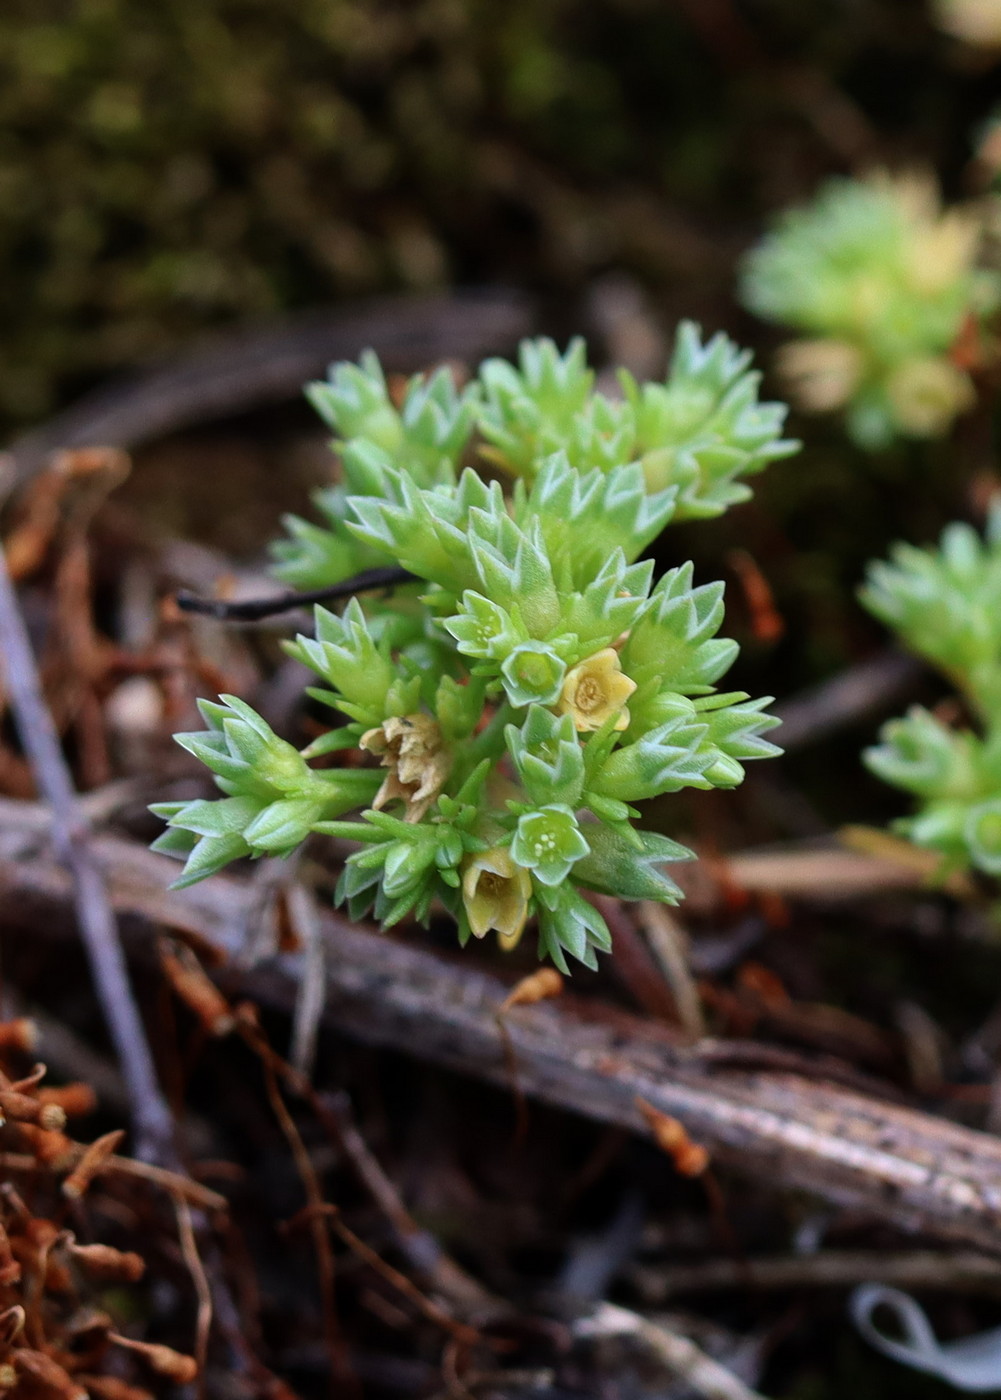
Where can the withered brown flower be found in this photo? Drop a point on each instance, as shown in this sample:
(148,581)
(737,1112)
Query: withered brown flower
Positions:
(411,748)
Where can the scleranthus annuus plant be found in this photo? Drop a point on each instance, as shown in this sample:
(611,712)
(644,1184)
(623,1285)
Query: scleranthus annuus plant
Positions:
(881,283)
(945,605)
(503,713)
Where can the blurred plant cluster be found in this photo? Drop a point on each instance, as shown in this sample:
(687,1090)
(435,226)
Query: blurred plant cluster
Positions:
(531,683)
(945,605)
(885,288)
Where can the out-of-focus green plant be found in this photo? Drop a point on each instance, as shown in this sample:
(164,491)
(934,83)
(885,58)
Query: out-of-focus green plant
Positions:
(881,283)
(945,604)
(532,684)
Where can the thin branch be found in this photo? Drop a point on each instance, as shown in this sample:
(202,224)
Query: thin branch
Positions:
(676,1352)
(254,609)
(301,909)
(421,1249)
(669,945)
(461,1331)
(203,1291)
(334,1112)
(336,1349)
(151,1116)
(957,1271)
(172,1182)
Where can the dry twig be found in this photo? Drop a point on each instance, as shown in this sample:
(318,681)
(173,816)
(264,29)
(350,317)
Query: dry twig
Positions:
(668,944)
(957,1272)
(852,695)
(150,1112)
(677,1352)
(256,609)
(421,1249)
(905,1166)
(435,1314)
(189,1249)
(172,1182)
(301,907)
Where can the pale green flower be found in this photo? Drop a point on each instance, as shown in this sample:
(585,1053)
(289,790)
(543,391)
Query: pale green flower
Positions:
(495,895)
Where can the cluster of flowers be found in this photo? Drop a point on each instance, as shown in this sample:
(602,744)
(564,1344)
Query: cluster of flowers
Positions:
(529,684)
(884,288)
(945,604)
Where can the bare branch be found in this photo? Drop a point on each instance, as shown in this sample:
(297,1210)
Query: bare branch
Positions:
(151,1115)
(957,1272)
(906,1167)
(871,687)
(671,1348)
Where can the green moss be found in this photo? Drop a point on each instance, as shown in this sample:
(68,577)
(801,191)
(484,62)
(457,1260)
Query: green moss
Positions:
(169,168)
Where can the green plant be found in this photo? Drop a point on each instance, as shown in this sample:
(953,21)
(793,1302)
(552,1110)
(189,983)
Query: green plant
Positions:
(529,685)
(945,604)
(881,283)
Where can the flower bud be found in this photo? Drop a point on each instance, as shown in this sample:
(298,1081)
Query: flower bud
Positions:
(533,673)
(821,375)
(976,22)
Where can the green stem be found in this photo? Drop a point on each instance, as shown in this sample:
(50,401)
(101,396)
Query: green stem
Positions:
(489,743)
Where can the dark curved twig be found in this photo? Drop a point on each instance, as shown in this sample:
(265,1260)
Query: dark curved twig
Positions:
(254,609)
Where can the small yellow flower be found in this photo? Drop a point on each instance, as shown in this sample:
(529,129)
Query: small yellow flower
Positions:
(976,22)
(941,244)
(927,393)
(944,251)
(821,375)
(594,690)
(495,893)
(914,191)
(411,748)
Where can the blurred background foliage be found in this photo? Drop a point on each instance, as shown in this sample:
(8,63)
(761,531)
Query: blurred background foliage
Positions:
(165,168)
(170,169)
